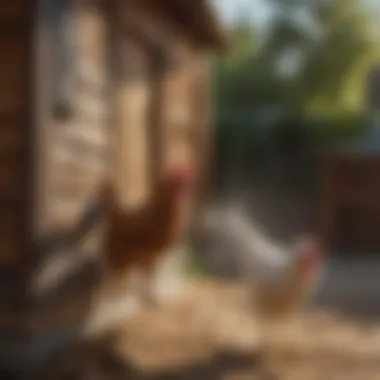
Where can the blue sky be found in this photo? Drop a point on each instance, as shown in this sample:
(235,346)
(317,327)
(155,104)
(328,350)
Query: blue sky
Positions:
(257,10)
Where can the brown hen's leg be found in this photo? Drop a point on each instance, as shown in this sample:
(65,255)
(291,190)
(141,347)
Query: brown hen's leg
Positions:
(265,369)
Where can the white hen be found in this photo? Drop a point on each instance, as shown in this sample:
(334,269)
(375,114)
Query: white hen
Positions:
(280,276)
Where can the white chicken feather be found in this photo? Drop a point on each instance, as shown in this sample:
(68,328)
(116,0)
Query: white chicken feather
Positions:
(279,275)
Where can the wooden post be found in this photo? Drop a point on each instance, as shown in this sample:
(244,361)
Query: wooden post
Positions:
(328,199)
(202,145)
(67,170)
(155,120)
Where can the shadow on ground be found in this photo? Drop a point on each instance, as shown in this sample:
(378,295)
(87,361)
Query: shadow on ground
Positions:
(99,361)
(203,335)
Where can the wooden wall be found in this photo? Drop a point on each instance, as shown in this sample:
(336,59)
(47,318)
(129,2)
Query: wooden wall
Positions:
(167,125)
(14,175)
(13,113)
(163,102)
(178,112)
(70,163)
(351,202)
(52,166)
(134,103)
(137,129)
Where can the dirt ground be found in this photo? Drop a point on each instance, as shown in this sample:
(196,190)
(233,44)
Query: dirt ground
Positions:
(210,333)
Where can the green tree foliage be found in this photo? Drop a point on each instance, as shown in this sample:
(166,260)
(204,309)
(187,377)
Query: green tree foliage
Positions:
(330,45)
(246,77)
(338,40)
(345,39)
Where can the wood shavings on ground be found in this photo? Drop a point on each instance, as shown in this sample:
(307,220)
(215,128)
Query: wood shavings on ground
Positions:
(210,333)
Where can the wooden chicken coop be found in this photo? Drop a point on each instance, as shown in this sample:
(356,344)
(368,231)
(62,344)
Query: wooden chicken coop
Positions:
(88,87)
(351,197)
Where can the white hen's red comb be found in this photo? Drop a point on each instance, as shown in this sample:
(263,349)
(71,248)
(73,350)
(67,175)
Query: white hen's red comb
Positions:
(311,253)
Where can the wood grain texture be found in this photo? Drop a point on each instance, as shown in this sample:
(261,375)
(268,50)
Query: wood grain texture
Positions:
(66,299)
(13,160)
(13,10)
(65,277)
(350,202)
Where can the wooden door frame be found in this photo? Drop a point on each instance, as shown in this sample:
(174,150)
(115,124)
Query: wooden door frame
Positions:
(39,134)
(43,239)
(155,79)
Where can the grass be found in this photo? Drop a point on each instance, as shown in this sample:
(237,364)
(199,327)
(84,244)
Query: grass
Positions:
(193,267)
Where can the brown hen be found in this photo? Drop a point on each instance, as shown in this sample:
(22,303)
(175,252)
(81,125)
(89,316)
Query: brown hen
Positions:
(138,238)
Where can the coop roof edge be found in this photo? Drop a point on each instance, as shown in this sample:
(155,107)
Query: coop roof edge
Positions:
(198,19)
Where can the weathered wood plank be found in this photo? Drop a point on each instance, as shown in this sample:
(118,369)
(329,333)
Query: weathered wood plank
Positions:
(67,193)
(87,135)
(11,196)
(11,215)
(12,251)
(77,171)
(13,135)
(12,350)
(12,10)
(12,138)
(14,333)
(67,298)
(12,300)
(352,186)
(12,72)
(92,74)
(12,42)
(11,81)
(73,235)
(85,124)
(11,273)
(94,163)
(69,199)
(91,87)
(11,103)
(94,106)
(64,275)
(77,176)
(82,148)
(80,277)
(13,67)
(91,120)
(67,209)
(11,248)
(62,305)
(13,297)
(12,55)
(14,320)
(11,176)
(13,28)
(10,119)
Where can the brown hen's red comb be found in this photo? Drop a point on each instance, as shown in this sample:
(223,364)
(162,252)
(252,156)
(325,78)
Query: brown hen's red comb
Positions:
(181,172)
